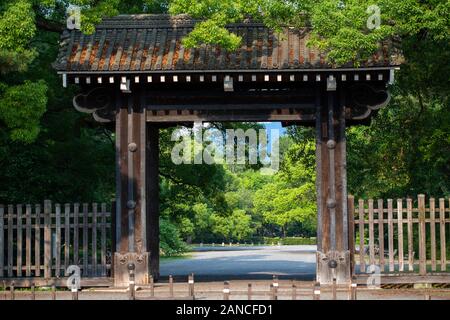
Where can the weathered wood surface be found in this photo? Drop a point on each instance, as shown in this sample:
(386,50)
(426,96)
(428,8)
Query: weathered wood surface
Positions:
(390,236)
(2,244)
(31,242)
(422,236)
(419,222)
(400,233)
(381,233)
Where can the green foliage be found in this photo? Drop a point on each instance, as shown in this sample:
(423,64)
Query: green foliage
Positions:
(21,108)
(171,243)
(409,147)
(290,241)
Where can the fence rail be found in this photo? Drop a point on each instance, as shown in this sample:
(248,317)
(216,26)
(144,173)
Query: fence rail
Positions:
(402,236)
(43,241)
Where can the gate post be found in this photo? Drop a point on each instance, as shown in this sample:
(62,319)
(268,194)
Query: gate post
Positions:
(132,232)
(333,255)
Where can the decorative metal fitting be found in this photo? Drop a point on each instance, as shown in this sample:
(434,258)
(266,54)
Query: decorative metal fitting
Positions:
(131,204)
(131,267)
(123,259)
(132,147)
(332,264)
(140,259)
(331,203)
(331,144)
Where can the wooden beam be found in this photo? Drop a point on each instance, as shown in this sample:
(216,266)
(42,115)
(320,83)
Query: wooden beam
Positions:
(173,116)
(333,256)
(131,206)
(152,184)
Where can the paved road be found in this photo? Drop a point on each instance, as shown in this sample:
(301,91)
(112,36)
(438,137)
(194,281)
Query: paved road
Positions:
(227,263)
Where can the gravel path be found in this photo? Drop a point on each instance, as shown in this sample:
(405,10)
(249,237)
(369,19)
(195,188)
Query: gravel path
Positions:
(228,263)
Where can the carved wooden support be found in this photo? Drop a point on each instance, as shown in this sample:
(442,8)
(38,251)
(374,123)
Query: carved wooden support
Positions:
(98,102)
(141,262)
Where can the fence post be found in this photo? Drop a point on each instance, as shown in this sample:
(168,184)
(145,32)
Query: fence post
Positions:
(249,292)
(272,292)
(334,289)
(294,292)
(381,232)
(354,288)
(171,286)
(152,286)
(47,239)
(422,236)
(10,240)
(33,292)
(371,234)
(316,291)
(53,292)
(226,290)
(409,210)
(19,218)
(362,262)
(433,233)
(2,233)
(442,233)
(12,291)
(191,285)
(275,287)
(131,268)
(74,293)
(351,231)
(400,234)
(113,235)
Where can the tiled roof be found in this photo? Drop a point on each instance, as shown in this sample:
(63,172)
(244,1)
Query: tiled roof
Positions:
(152,43)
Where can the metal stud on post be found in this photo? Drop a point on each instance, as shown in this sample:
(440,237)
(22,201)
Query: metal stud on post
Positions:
(131,268)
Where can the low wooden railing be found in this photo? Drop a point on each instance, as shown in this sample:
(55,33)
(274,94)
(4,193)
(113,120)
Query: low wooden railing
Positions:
(401,236)
(43,243)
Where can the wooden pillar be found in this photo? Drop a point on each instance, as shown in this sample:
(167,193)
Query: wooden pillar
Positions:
(333,255)
(153,197)
(132,220)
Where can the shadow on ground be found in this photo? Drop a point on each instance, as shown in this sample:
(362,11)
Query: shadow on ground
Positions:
(244,263)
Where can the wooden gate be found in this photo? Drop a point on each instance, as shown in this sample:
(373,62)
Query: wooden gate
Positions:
(38,243)
(405,240)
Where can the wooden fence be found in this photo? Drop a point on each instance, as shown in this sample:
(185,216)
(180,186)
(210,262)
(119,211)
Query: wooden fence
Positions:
(401,237)
(43,243)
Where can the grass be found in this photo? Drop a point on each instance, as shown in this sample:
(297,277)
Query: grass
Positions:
(187,255)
